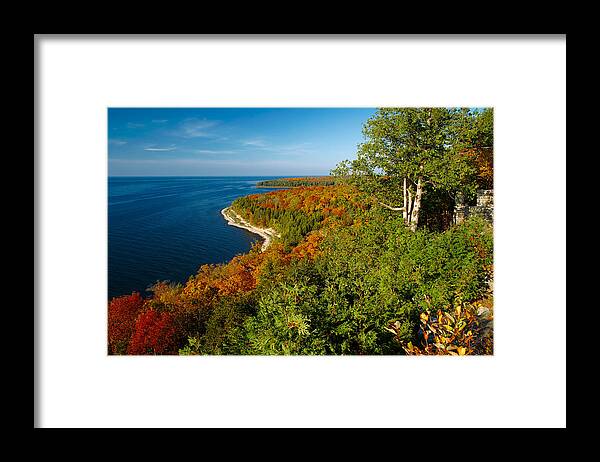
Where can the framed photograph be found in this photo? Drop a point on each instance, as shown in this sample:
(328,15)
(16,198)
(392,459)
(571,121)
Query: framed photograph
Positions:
(225,225)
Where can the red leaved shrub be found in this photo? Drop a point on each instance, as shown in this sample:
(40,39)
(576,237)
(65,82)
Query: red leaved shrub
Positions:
(154,333)
(122,313)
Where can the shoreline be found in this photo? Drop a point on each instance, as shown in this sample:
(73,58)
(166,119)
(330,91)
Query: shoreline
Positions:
(266,233)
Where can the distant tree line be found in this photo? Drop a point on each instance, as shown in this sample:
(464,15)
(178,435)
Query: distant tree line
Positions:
(294,182)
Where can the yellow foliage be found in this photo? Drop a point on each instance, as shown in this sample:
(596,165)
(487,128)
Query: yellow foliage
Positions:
(456,333)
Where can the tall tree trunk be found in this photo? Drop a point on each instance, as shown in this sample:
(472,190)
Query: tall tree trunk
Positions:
(414,216)
(405,212)
(410,206)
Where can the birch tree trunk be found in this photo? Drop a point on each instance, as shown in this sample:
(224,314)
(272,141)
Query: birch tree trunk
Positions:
(405,212)
(410,206)
(414,215)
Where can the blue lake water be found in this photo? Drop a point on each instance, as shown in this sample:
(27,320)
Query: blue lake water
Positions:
(165,228)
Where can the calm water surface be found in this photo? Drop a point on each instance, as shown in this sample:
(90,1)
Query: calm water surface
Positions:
(165,228)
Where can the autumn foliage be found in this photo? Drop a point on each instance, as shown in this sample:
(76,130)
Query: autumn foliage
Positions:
(154,333)
(296,212)
(310,199)
(175,311)
(122,313)
(213,281)
(342,276)
(295,182)
(483,159)
(456,332)
(309,247)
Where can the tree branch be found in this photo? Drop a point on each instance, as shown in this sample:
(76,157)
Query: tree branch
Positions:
(399,209)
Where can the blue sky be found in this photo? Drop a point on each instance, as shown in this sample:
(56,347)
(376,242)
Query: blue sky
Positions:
(232,141)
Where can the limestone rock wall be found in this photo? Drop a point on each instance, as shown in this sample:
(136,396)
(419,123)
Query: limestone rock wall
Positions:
(484,207)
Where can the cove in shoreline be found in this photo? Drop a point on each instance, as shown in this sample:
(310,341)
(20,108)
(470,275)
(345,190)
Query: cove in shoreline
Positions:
(235,220)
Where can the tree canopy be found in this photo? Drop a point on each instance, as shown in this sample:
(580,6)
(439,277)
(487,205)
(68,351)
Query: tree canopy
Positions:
(410,152)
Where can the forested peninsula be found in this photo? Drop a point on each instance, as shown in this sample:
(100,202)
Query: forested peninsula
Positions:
(304,181)
(367,261)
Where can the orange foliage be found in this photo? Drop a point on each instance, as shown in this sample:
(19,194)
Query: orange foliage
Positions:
(483,159)
(308,247)
(337,211)
(329,200)
(237,276)
(165,295)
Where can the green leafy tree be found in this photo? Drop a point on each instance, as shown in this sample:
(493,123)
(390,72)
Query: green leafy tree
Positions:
(410,151)
(477,128)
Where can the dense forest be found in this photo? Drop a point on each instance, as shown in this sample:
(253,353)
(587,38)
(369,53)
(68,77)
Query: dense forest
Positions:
(369,264)
(293,182)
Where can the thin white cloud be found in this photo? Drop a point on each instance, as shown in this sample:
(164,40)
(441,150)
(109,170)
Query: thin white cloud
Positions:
(259,143)
(134,125)
(196,128)
(215,151)
(215,162)
(153,148)
(159,121)
(302,148)
(117,142)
